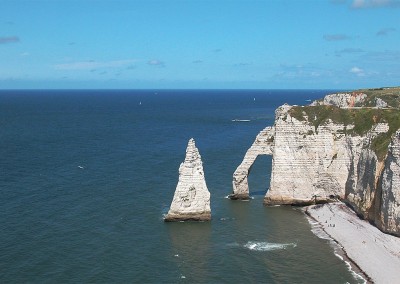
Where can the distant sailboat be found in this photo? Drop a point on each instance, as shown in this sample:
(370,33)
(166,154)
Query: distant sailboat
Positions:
(140,103)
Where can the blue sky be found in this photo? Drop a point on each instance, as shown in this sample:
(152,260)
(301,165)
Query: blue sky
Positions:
(199,44)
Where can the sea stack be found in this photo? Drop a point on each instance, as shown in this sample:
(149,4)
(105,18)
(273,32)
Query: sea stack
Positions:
(191,200)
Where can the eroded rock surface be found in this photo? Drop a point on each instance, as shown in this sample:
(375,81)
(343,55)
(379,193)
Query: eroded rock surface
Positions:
(315,161)
(389,211)
(191,199)
(342,100)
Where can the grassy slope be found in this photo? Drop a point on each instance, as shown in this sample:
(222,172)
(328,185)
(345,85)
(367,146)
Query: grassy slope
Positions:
(362,118)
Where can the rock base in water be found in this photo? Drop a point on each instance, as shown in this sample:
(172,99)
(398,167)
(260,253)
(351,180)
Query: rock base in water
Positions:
(187,217)
(237,196)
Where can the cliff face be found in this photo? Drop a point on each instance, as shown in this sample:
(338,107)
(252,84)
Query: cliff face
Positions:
(389,202)
(191,199)
(318,160)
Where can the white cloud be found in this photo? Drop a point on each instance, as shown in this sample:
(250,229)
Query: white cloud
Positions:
(9,39)
(385,31)
(156,62)
(357,71)
(336,37)
(92,64)
(389,56)
(361,4)
(349,51)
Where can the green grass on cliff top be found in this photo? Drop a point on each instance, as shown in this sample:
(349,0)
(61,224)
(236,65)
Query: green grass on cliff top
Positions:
(390,95)
(362,118)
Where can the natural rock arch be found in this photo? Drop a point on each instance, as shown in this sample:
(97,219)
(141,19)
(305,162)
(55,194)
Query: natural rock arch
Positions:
(263,145)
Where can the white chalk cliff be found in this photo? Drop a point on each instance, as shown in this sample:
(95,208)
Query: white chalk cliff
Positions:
(191,199)
(318,162)
(389,205)
(342,100)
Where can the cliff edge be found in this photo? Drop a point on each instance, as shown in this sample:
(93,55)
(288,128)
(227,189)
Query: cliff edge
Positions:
(345,146)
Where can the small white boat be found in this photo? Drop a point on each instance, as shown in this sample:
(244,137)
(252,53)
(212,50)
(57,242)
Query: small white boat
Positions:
(240,120)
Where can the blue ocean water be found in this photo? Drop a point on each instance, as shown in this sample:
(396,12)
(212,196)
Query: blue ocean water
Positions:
(86,176)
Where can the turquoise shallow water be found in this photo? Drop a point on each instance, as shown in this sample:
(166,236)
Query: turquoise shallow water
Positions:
(86,176)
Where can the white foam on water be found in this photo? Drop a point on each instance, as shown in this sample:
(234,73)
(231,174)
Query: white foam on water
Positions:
(265,246)
(317,230)
(349,267)
(226,219)
(355,274)
(233,245)
(164,215)
(338,256)
(320,233)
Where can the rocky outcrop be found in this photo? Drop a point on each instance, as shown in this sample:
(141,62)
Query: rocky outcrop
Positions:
(380,103)
(342,100)
(191,200)
(316,161)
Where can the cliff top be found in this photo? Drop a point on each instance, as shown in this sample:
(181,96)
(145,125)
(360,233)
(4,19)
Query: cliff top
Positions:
(362,109)
(376,98)
(390,95)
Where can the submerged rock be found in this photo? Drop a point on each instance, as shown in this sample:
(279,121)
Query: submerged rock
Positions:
(191,200)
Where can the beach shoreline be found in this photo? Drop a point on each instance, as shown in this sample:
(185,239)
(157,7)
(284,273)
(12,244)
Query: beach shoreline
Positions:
(374,253)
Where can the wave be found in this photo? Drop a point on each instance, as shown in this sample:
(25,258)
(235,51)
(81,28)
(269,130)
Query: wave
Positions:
(233,245)
(318,230)
(227,219)
(357,276)
(265,246)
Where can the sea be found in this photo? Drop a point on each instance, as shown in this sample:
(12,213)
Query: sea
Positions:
(86,177)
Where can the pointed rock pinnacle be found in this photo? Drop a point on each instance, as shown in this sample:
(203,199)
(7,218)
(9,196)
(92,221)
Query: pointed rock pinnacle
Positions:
(191,200)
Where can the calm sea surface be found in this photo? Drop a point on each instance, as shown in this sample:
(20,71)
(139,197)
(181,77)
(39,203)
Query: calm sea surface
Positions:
(86,176)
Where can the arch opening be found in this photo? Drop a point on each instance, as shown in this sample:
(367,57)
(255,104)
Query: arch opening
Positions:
(259,176)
